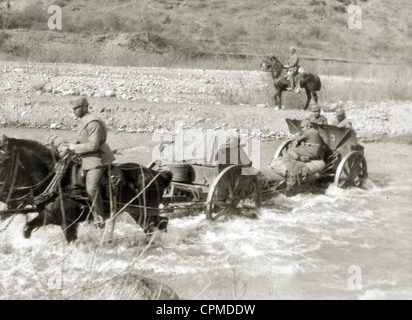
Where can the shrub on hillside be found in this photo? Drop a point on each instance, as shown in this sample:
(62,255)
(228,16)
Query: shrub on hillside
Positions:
(148,42)
(346,2)
(319,11)
(340,8)
(231,33)
(16,50)
(3,38)
(317,32)
(33,16)
(317,2)
(61,3)
(98,24)
(301,15)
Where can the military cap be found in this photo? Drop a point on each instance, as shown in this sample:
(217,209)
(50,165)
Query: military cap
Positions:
(79,102)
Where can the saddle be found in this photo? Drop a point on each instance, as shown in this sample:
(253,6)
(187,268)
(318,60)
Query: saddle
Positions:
(284,81)
(112,172)
(58,146)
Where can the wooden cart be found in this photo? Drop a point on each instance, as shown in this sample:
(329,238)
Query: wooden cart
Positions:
(221,181)
(343,161)
(225,182)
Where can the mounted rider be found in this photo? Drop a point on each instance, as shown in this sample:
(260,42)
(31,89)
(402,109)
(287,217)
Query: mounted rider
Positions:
(293,67)
(94,151)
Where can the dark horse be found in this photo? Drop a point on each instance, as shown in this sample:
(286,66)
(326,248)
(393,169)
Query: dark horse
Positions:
(310,82)
(34,174)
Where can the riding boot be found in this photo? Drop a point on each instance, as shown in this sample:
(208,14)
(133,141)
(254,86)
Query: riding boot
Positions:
(98,211)
(93,190)
(292,83)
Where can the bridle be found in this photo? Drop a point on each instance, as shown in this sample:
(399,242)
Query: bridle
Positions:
(8,185)
(270,67)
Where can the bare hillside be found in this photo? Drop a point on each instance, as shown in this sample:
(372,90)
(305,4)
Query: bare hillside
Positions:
(190,29)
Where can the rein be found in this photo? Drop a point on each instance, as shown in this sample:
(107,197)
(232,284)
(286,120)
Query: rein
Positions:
(271,68)
(11,177)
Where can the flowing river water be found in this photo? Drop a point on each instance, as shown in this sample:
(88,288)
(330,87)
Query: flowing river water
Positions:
(341,244)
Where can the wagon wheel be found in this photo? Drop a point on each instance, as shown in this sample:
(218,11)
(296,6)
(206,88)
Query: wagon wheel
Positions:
(352,171)
(283,148)
(232,192)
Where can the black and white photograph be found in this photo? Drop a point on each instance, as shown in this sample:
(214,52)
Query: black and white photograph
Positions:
(205,155)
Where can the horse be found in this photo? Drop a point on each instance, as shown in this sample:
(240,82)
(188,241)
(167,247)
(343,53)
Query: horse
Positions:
(310,82)
(36,175)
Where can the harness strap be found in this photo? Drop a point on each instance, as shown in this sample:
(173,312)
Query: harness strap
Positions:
(11,176)
(14,177)
(59,169)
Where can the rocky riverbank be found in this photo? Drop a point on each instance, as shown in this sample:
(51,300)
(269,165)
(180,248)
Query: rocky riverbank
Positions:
(153,99)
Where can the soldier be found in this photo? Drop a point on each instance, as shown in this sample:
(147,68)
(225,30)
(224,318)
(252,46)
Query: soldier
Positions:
(293,67)
(308,145)
(94,152)
(316,117)
(340,119)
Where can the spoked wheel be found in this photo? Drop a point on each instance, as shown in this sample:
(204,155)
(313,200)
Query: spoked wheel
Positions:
(352,171)
(233,193)
(282,150)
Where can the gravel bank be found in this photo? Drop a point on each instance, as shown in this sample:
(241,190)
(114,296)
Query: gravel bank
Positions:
(153,99)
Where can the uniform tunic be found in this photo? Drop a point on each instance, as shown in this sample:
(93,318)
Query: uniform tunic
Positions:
(308,146)
(345,123)
(320,120)
(92,147)
(293,62)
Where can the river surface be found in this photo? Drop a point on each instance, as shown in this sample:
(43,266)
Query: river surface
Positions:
(341,244)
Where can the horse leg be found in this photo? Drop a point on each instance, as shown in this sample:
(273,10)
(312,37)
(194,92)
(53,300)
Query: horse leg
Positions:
(52,214)
(73,213)
(148,221)
(276,97)
(70,233)
(308,98)
(139,216)
(160,222)
(34,223)
(315,96)
(45,216)
(279,98)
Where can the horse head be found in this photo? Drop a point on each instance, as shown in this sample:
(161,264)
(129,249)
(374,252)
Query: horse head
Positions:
(24,166)
(274,66)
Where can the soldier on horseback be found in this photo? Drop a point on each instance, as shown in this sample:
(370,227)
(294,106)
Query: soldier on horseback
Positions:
(292,66)
(95,154)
